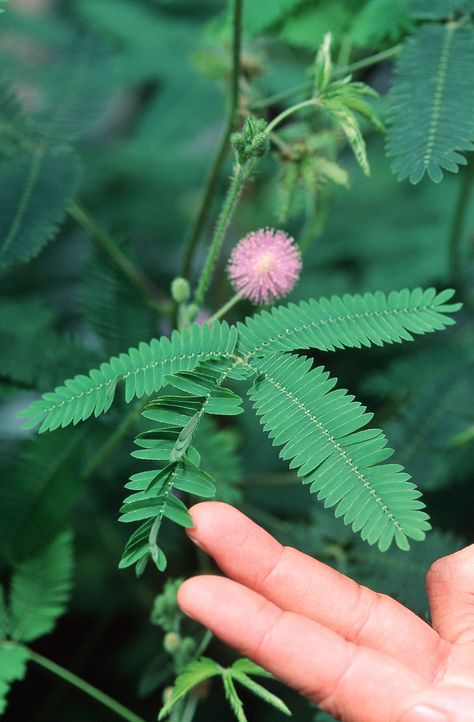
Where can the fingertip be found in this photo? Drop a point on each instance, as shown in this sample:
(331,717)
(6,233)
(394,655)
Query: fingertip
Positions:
(197,594)
(186,595)
(209,519)
(203,511)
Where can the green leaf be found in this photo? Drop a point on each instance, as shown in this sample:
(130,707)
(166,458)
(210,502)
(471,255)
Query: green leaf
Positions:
(431,103)
(258,17)
(261,692)
(232,696)
(36,190)
(323,64)
(192,480)
(40,590)
(248,666)
(38,491)
(144,371)
(322,433)
(13,661)
(16,133)
(379,21)
(347,322)
(347,122)
(193,674)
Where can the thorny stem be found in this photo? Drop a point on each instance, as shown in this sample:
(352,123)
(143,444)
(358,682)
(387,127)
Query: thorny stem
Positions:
(214,172)
(240,175)
(226,307)
(337,73)
(457,227)
(84,686)
(136,277)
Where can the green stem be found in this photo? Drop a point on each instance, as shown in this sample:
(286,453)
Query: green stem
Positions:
(289,111)
(226,307)
(240,175)
(214,172)
(127,423)
(457,227)
(189,708)
(128,269)
(337,73)
(85,687)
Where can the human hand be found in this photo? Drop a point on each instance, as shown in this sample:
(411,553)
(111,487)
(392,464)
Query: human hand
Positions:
(358,654)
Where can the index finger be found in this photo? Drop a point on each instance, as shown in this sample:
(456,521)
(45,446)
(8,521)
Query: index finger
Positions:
(296,582)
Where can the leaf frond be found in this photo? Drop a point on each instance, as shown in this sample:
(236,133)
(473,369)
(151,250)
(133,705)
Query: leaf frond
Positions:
(40,590)
(431,103)
(143,370)
(350,321)
(178,417)
(322,432)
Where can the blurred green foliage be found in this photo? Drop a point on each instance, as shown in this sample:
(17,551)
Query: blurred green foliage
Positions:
(122,104)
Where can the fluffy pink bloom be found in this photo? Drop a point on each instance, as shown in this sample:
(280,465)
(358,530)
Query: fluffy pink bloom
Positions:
(264,265)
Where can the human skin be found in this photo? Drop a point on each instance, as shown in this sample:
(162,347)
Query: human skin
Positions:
(357,654)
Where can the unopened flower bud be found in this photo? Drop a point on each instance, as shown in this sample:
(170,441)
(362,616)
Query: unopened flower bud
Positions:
(171,642)
(180,290)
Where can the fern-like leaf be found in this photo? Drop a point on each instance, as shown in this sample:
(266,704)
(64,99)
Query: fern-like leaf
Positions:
(36,190)
(40,590)
(204,668)
(154,499)
(143,370)
(13,661)
(321,433)
(37,492)
(16,133)
(350,321)
(431,103)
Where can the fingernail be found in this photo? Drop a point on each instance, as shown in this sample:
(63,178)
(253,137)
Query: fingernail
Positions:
(196,541)
(424,713)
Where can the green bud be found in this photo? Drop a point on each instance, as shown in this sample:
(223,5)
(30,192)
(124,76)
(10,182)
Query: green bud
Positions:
(251,141)
(171,642)
(260,144)
(188,647)
(180,290)
(193,311)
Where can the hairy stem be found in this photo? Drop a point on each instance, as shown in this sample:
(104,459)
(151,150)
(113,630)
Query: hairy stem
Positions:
(337,73)
(240,175)
(85,687)
(136,277)
(457,227)
(214,172)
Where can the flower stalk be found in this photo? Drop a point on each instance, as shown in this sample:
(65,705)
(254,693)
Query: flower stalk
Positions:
(239,176)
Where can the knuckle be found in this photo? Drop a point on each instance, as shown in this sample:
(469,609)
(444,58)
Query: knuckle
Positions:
(330,699)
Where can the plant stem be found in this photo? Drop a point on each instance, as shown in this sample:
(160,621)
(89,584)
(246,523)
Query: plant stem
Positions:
(240,175)
(127,423)
(226,307)
(136,277)
(214,172)
(457,227)
(85,687)
(337,73)
(289,111)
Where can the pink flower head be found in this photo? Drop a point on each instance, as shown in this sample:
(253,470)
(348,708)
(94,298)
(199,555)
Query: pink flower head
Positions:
(264,265)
